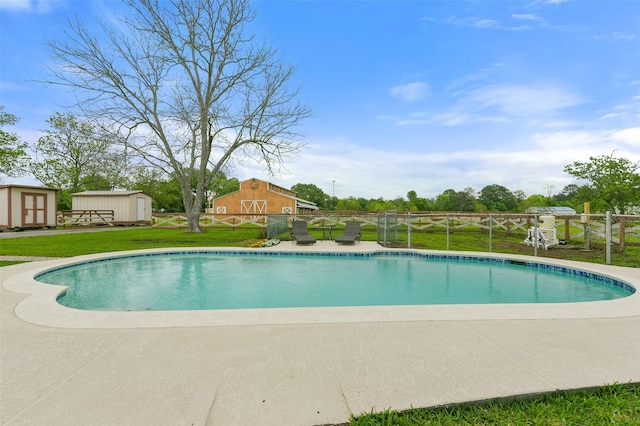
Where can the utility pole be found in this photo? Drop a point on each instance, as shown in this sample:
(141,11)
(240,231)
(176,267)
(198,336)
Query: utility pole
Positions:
(549,188)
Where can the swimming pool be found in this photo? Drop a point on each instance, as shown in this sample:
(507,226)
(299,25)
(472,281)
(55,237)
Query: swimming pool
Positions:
(202,280)
(40,306)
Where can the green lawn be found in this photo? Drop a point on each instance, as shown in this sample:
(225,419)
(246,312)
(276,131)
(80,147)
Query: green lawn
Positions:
(615,405)
(610,405)
(74,244)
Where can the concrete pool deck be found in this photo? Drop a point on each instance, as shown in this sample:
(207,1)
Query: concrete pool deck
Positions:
(304,372)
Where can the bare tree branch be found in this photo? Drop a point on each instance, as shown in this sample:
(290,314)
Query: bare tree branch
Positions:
(185,87)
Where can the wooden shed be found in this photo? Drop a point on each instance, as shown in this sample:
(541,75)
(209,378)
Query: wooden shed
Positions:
(23,206)
(129,207)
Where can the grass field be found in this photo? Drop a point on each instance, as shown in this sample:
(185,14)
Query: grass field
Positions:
(74,244)
(615,405)
(610,405)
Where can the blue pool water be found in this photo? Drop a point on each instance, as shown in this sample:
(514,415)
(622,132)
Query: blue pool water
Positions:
(222,280)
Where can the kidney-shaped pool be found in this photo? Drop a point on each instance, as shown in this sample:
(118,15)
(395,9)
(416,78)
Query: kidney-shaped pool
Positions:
(217,280)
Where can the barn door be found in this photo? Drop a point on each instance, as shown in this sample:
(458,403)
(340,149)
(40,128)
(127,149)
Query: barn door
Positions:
(250,209)
(34,209)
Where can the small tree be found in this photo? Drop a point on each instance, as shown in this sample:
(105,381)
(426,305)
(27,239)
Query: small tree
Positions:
(613,180)
(187,88)
(13,157)
(74,156)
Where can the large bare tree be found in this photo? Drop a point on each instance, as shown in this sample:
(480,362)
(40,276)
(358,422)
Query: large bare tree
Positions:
(183,84)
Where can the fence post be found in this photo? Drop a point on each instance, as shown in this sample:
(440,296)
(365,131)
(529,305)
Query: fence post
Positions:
(408,229)
(447,232)
(535,233)
(607,233)
(621,222)
(491,231)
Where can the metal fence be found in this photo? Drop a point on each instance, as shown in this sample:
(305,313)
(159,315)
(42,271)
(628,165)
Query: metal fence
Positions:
(399,229)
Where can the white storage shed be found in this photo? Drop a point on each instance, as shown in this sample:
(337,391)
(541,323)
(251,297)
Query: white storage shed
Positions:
(129,207)
(23,206)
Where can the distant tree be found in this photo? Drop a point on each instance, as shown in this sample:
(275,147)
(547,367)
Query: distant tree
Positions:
(13,157)
(350,203)
(462,201)
(185,86)
(520,195)
(96,182)
(567,194)
(169,197)
(443,201)
(73,154)
(148,180)
(470,192)
(535,200)
(419,204)
(310,192)
(379,205)
(221,185)
(498,198)
(400,204)
(424,204)
(331,203)
(613,180)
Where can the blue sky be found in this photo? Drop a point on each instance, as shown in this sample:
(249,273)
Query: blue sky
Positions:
(411,95)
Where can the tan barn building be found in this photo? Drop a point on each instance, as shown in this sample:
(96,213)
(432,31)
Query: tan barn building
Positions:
(23,206)
(257,198)
(129,207)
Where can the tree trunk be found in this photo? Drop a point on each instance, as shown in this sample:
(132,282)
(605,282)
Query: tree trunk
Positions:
(193,220)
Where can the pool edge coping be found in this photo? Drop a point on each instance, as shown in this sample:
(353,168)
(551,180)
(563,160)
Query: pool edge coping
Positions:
(40,306)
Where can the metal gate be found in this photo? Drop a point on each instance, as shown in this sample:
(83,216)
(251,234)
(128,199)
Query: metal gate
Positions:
(387,228)
(276,225)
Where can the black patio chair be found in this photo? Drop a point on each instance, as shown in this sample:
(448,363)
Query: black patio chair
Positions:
(351,233)
(300,233)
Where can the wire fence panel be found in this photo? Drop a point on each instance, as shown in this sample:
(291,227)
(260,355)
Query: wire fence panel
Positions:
(406,229)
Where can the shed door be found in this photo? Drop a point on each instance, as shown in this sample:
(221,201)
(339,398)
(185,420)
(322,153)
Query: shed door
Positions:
(34,209)
(141,211)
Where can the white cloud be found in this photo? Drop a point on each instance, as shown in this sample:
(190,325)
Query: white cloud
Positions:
(15,4)
(526,17)
(501,103)
(629,136)
(616,35)
(410,92)
(39,6)
(521,100)
(374,173)
(567,140)
(610,115)
(484,23)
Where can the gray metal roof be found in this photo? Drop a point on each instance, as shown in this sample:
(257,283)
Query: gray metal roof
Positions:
(555,210)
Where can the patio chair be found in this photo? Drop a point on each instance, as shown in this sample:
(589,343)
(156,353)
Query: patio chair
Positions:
(351,233)
(300,233)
